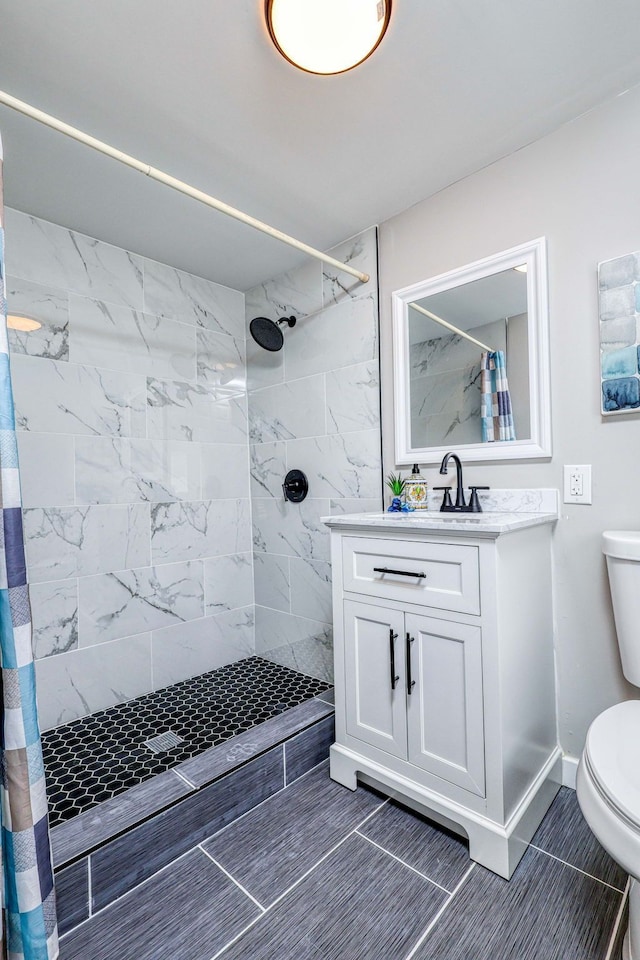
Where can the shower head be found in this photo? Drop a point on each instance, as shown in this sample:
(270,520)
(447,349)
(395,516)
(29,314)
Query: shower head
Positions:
(267,333)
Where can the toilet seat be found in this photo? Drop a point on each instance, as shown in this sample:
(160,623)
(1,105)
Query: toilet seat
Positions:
(612,756)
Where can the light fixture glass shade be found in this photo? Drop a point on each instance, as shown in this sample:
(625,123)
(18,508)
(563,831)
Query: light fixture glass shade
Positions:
(327,36)
(23,322)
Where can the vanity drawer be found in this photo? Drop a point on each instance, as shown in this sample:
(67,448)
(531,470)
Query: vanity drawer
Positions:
(451,578)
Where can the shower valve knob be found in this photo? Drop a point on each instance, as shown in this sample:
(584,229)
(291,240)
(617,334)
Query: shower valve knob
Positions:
(295,486)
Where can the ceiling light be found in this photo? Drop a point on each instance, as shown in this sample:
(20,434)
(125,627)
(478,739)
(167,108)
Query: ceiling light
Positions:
(23,322)
(327,36)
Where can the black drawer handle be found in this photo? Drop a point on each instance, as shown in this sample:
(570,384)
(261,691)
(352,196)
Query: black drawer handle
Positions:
(400,573)
(410,683)
(392,657)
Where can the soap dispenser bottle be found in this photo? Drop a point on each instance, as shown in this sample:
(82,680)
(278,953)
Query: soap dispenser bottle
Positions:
(415,490)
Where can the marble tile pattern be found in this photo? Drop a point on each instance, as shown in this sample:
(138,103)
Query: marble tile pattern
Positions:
(510,500)
(358,252)
(82,400)
(55,617)
(142,470)
(488,523)
(132,414)
(445,384)
(313,406)
(619,296)
(51,307)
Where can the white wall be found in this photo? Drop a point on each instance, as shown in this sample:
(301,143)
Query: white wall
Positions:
(579,187)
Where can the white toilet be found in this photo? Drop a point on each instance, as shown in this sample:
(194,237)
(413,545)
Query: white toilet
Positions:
(608,784)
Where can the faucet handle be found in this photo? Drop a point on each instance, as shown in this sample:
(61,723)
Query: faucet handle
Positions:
(446,500)
(474,503)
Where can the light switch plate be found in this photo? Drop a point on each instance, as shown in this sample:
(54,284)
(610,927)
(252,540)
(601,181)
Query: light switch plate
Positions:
(577,483)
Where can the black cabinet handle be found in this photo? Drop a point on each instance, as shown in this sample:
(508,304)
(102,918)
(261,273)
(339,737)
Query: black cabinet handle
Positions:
(392,657)
(410,683)
(399,573)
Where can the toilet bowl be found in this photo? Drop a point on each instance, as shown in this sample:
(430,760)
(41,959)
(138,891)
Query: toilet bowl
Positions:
(608,781)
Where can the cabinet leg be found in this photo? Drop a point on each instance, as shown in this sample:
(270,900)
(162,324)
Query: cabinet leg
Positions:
(498,854)
(342,769)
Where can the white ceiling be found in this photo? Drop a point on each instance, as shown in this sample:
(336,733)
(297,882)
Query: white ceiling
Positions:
(196,89)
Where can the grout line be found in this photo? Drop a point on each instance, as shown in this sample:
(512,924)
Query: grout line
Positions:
(439,913)
(127,893)
(89,885)
(403,862)
(186,852)
(183,778)
(298,616)
(583,872)
(266,799)
(233,879)
(328,702)
(300,879)
(617,922)
(307,376)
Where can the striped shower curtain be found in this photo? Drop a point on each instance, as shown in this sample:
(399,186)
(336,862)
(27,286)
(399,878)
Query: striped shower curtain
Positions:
(496,416)
(29,930)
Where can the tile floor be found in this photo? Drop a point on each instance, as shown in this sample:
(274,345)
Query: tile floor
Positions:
(319,873)
(98,757)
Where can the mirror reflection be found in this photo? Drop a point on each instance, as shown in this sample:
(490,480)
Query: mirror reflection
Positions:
(469,362)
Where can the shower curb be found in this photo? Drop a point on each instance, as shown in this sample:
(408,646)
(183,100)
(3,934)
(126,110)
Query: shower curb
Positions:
(110,849)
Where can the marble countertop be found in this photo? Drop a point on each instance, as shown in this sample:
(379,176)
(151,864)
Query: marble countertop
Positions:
(488,524)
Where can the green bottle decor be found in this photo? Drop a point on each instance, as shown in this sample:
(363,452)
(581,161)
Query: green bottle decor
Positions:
(415,489)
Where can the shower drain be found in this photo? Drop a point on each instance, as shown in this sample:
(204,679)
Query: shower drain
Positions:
(163,742)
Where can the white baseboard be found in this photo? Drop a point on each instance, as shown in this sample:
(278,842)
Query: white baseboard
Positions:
(569,771)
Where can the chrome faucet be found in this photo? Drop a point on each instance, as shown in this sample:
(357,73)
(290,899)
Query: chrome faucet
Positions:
(460,506)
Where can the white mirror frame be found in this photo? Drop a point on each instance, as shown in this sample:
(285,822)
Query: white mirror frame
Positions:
(538,445)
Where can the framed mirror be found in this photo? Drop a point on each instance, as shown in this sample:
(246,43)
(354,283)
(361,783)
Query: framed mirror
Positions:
(471,361)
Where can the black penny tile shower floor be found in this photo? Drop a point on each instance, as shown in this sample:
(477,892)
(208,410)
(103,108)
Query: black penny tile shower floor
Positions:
(100,756)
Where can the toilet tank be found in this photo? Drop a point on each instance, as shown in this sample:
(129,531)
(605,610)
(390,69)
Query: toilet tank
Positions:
(622,550)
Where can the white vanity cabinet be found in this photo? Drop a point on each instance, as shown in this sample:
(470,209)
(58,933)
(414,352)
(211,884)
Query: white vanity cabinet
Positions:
(444,671)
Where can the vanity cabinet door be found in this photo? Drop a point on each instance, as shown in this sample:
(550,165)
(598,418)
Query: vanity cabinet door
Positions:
(445,708)
(376,704)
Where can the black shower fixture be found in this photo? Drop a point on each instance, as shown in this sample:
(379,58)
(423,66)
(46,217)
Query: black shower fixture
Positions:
(267,333)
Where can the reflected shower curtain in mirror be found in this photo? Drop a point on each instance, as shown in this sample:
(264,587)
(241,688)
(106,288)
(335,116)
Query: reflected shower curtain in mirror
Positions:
(29,930)
(495,402)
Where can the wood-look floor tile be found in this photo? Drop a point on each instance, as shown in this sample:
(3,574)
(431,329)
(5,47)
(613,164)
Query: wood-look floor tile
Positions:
(188,911)
(547,911)
(440,855)
(111,817)
(565,833)
(359,904)
(219,760)
(122,864)
(309,748)
(72,895)
(275,844)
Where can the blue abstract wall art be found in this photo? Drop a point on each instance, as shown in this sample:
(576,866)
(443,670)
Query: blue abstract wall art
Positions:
(619,301)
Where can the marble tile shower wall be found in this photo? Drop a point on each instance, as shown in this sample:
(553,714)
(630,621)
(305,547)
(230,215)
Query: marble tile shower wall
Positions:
(313,406)
(445,386)
(132,415)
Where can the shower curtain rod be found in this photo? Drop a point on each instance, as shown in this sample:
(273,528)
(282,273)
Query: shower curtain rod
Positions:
(450,326)
(169,181)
